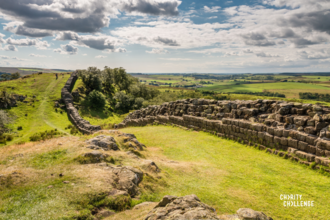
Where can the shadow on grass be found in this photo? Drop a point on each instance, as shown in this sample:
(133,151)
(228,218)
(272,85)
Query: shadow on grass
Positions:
(86,109)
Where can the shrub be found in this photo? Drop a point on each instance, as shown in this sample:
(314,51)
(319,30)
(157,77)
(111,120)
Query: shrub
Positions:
(91,78)
(45,135)
(96,99)
(124,101)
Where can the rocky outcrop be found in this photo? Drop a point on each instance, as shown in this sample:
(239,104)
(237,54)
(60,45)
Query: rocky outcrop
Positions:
(276,125)
(103,142)
(83,125)
(187,208)
(127,179)
(191,208)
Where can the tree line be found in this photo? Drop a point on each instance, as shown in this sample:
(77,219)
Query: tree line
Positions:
(314,96)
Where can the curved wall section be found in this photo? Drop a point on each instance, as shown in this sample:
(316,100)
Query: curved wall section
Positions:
(299,131)
(83,125)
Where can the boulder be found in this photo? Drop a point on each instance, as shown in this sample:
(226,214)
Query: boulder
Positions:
(249,214)
(127,179)
(96,156)
(182,208)
(105,142)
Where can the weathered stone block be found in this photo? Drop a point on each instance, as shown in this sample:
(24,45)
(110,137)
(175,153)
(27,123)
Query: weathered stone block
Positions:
(302,146)
(319,152)
(278,132)
(292,143)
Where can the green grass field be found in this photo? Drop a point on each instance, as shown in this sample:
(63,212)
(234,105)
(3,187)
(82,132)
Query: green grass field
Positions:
(290,89)
(41,114)
(228,175)
(222,173)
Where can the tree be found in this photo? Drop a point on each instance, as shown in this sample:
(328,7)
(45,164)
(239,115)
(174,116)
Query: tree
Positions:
(15,75)
(91,79)
(141,90)
(108,81)
(96,99)
(122,79)
(124,101)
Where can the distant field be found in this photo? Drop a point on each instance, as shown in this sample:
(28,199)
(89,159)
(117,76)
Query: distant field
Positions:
(291,90)
(31,69)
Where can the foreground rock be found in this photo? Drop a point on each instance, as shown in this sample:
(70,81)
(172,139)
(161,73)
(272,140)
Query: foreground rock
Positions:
(103,142)
(191,208)
(182,208)
(95,157)
(127,179)
(132,142)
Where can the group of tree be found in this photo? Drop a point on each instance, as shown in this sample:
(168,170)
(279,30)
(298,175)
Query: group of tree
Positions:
(9,76)
(315,96)
(116,87)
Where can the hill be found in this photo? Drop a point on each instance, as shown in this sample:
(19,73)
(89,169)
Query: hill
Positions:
(28,70)
(224,174)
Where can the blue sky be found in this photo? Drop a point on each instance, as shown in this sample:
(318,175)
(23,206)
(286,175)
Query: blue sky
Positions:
(167,36)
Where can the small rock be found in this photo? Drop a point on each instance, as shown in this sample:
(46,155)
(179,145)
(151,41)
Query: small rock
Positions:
(51,186)
(60,144)
(66,182)
(139,206)
(250,214)
(104,214)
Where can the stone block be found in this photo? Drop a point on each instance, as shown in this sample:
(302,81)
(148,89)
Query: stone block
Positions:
(292,143)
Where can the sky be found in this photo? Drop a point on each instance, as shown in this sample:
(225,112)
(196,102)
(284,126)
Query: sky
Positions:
(167,36)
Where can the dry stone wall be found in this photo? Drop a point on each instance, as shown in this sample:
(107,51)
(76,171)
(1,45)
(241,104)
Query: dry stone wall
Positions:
(83,125)
(299,131)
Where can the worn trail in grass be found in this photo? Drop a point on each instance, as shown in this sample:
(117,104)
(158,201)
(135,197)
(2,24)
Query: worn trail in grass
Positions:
(38,114)
(228,175)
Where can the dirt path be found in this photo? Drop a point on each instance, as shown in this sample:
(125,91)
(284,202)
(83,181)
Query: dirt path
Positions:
(42,107)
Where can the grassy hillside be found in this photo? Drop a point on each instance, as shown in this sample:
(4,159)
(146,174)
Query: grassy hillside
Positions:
(228,175)
(223,174)
(40,110)
(27,71)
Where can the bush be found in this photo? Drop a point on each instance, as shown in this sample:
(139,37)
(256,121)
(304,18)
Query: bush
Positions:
(96,99)
(45,135)
(124,101)
(91,78)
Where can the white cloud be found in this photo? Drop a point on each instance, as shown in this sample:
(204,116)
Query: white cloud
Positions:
(176,59)
(10,48)
(37,55)
(67,49)
(4,57)
(100,57)
(158,51)
(213,9)
(27,42)
(212,17)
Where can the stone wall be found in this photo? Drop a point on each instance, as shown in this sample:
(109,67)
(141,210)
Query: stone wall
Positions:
(299,131)
(83,125)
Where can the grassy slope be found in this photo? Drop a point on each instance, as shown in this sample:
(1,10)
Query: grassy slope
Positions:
(41,115)
(228,175)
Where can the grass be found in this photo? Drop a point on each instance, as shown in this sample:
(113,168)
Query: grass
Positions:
(32,167)
(229,176)
(290,89)
(222,173)
(38,114)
